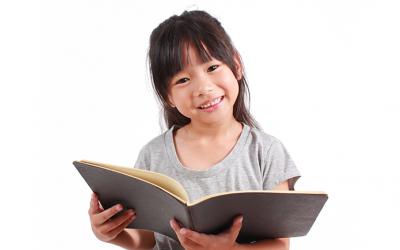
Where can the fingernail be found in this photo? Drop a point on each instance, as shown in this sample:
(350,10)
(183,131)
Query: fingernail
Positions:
(119,207)
(183,231)
(171,222)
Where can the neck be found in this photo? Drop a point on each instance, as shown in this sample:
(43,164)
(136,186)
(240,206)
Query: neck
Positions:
(213,131)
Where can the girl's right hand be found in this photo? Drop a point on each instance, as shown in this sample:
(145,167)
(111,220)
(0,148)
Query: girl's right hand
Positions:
(105,228)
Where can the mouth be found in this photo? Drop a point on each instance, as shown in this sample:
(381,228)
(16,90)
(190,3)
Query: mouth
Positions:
(212,103)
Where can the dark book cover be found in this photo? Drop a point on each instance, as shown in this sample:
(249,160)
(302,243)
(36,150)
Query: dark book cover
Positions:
(266,214)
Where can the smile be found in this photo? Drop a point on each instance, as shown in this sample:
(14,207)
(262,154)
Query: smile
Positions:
(213,103)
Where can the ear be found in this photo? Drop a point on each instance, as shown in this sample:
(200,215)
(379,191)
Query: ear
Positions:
(239,68)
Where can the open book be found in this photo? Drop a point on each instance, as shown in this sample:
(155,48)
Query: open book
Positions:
(157,199)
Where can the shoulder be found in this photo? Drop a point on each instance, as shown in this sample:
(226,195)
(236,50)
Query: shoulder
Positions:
(278,165)
(156,144)
(153,151)
(262,139)
(265,145)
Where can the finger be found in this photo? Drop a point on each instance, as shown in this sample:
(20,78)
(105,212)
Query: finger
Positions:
(185,242)
(94,205)
(113,224)
(235,228)
(115,231)
(101,218)
(196,237)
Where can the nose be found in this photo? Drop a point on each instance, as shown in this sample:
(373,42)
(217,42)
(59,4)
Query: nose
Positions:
(203,86)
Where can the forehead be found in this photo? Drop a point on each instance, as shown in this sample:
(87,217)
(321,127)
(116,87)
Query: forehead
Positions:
(192,55)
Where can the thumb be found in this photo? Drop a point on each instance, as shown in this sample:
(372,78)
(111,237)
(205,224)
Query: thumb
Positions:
(94,205)
(236,226)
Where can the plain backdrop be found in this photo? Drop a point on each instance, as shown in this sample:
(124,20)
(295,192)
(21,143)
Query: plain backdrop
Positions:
(323,76)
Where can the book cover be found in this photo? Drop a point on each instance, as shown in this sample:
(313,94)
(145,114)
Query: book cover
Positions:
(157,199)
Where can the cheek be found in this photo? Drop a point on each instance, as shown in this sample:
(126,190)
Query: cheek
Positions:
(229,83)
(180,99)
(235,93)
(231,87)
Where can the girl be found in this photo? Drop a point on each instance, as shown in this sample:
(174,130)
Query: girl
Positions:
(212,145)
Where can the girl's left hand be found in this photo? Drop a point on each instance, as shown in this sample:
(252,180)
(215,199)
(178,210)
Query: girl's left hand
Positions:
(191,240)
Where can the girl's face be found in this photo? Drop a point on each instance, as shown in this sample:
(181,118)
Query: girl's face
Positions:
(204,92)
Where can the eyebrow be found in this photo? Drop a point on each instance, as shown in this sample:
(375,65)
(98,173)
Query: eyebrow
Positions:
(207,62)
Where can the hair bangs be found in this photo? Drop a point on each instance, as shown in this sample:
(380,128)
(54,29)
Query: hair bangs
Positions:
(177,57)
(169,54)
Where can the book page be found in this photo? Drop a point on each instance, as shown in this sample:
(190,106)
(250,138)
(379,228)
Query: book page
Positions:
(164,182)
(252,191)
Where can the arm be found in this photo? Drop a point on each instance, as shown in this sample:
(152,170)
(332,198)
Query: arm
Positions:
(134,239)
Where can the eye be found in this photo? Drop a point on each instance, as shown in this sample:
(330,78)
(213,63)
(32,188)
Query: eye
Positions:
(212,68)
(182,80)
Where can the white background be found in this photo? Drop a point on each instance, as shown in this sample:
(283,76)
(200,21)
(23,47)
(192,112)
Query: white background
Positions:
(324,78)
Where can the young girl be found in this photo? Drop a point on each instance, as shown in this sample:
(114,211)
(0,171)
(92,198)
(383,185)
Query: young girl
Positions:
(212,145)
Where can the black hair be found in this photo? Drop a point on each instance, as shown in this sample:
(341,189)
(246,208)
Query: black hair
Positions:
(206,34)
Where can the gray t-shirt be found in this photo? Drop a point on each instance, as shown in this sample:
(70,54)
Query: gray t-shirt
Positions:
(258,161)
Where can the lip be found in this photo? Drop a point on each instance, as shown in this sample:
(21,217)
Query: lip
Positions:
(214,107)
(210,100)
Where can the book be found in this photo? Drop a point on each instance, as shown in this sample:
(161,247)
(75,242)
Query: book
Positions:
(157,198)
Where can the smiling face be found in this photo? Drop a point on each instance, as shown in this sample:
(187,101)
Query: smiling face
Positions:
(205,92)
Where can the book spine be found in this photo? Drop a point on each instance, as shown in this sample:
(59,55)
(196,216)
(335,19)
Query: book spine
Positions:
(191,224)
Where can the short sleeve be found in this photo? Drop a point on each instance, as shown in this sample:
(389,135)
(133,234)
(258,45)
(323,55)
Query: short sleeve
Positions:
(142,161)
(279,167)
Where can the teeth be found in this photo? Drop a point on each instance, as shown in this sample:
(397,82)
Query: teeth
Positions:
(211,103)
